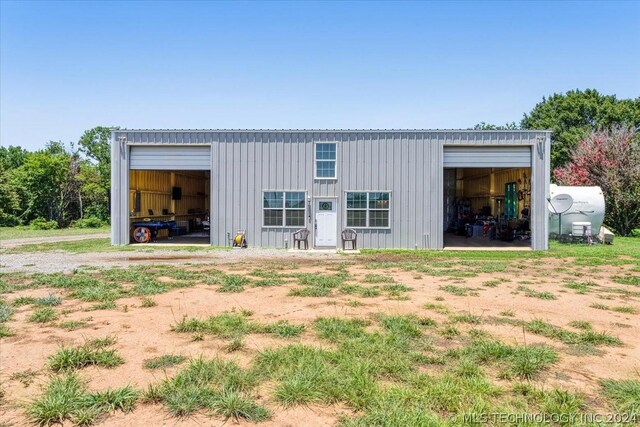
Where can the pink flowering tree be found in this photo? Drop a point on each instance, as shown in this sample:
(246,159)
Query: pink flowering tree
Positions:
(611,160)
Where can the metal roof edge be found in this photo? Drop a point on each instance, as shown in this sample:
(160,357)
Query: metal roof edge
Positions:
(337,130)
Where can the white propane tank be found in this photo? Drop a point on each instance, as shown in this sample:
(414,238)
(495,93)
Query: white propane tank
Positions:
(587,207)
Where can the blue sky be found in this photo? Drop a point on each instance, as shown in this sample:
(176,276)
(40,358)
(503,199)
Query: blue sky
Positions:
(67,67)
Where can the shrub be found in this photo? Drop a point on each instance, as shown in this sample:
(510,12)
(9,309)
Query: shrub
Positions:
(43,224)
(88,222)
(8,220)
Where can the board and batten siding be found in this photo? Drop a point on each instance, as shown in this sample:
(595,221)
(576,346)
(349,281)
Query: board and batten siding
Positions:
(408,164)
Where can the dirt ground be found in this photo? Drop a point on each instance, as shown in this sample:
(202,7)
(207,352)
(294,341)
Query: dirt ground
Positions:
(143,333)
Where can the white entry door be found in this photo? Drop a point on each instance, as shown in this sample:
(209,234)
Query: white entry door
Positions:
(326,222)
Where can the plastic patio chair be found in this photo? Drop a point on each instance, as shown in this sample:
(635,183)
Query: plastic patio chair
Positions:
(301,235)
(349,235)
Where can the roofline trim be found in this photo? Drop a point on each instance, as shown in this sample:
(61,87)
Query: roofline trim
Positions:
(335,130)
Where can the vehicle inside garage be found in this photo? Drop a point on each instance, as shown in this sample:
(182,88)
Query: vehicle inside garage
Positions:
(169,206)
(487,207)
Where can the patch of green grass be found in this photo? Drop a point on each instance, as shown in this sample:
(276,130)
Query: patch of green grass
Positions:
(284,329)
(586,254)
(147,302)
(106,305)
(43,315)
(312,375)
(219,386)
(599,306)
(627,280)
(494,283)
(111,400)
(49,300)
(378,278)
(265,274)
(5,331)
(236,344)
(146,285)
(336,329)
(562,402)
(225,325)
(409,326)
(580,288)
(363,291)
(268,282)
(624,395)
(438,308)
(449,331)
(79,246)
(72,325)
(531,293)
(66,398)
(322,280)
(164,361)
(396,289)
(91,353)
(233,283)
(581,324)
(60,402)
(527,361)
(20,301)
(310,291)
(508,313)
(6,312)
(472,319)
(467,368)
(458,290)
(586,337)
(24,231)
(522,361)
(625,309)
(233,405)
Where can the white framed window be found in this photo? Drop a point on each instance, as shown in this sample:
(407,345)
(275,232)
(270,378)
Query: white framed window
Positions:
(283,209)
(325,160)
(368,209)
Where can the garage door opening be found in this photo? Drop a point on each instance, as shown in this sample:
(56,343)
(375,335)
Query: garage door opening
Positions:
(169,206)
(487,207)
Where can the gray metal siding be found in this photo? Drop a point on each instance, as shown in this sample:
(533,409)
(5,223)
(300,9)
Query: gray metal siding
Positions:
(457,156)
(405,164)
(119,190)
(409,164)
(173,157)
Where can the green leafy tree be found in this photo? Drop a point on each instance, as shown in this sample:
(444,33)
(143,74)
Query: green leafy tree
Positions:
(93,196)
(489,126)
(572,116)
(94,143)
(12,157)
(47,185)
(9,200)
(611,160)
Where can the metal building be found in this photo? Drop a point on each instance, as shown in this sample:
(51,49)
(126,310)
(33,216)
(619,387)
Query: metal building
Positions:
(394,187)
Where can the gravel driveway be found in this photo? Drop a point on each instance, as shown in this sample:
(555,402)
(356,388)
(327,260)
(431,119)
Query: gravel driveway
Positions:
(62,261)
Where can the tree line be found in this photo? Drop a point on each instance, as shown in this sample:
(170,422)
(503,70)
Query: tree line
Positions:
(594,142)
(57,186)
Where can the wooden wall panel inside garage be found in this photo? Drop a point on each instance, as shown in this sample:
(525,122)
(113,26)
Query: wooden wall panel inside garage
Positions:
(155,191)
